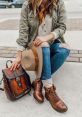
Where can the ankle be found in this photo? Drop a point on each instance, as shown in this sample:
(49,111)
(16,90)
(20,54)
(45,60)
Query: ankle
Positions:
(47,83)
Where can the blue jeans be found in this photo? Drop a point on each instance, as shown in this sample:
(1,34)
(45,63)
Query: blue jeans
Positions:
(53,57)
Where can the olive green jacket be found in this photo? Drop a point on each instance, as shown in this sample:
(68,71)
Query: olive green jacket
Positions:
(29,24)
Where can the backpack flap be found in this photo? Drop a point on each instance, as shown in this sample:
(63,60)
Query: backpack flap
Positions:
(13,74)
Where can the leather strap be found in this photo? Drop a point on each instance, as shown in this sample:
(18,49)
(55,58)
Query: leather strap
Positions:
(7,63)
(2,89)
(36,57)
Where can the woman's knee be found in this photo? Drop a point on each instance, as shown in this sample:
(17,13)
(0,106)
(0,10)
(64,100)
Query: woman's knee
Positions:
(46,51)
(64,52)
(64,49)
(45,44)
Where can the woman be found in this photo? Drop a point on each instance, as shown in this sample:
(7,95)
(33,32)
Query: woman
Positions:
(43,21)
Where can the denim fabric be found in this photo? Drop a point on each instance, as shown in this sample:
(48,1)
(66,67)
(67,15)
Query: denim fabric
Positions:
(53,57)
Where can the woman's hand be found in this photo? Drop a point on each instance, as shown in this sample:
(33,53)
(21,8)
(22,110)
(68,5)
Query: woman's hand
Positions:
(17,62)
(39,40)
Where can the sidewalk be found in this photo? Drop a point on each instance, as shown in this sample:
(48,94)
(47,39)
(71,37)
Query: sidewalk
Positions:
(69,87)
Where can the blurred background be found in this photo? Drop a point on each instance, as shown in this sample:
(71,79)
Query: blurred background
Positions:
(11,3)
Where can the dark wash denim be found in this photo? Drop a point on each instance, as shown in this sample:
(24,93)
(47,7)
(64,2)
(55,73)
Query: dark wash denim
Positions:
(53,57)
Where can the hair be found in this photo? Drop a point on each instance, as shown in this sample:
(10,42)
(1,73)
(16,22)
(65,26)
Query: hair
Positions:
(42,7)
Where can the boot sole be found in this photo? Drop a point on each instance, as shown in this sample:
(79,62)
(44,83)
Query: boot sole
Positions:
(56,108)
(37,99)
(35,96)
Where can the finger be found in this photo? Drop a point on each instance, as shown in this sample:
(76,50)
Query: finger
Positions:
(18,65)
(34,43)
(15,66)
(38,42)
(12,66)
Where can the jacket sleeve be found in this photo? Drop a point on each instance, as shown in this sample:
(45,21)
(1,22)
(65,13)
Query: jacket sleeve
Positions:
(61,23)
(23,27)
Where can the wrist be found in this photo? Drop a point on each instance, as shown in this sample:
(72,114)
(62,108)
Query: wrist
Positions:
(46,38)
(52,36)
(49,37)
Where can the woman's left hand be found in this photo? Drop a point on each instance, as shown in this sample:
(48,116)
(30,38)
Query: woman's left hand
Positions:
(39,40)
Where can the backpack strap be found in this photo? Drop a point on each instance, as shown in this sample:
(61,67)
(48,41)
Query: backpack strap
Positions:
(2,89)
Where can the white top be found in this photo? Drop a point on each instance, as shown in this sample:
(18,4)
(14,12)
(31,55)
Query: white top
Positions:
(44,29)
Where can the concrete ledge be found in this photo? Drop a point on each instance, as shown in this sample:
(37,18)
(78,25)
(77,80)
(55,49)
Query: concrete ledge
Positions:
(9,52)
(75,56)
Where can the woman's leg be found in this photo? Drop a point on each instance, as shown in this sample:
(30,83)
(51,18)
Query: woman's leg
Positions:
(58,56)
(50,90)
(37,83)
(46,71)
(48,68)
(53,59)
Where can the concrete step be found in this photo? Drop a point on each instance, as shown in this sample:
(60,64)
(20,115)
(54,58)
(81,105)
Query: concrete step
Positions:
(10,52)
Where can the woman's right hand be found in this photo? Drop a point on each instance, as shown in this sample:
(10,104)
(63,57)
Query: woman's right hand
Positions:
(17,62)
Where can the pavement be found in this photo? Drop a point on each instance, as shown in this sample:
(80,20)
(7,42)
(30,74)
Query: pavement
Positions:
(67,79)
(69,86)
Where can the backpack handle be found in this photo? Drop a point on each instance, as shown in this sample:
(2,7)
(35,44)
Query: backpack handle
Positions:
(8,62)
(2,89)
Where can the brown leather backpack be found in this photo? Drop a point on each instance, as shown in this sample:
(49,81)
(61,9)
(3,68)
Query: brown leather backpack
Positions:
(16,83)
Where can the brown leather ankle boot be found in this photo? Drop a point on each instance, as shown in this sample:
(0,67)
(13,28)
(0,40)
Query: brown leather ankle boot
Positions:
(54,100)
(37,86)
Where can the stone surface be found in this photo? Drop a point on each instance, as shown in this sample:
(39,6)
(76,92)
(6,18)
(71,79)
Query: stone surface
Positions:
(80,51)
(8,37)
(74,24)
(74,38)
(74,51)
(9,25)
(76,55)
(80,59)
(69,86)
(72,59)
(10,52)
